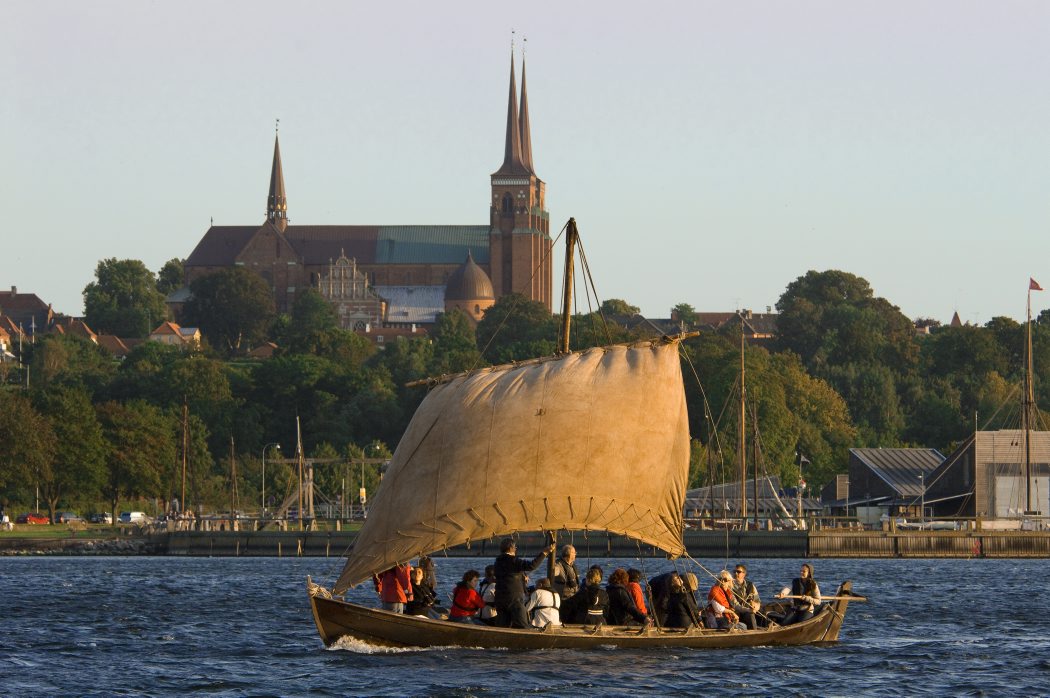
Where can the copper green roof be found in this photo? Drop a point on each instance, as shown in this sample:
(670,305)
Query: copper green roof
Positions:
(431,244)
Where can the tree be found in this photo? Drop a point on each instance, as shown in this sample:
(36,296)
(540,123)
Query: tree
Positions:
(455,344)
(863,345)
(615,307)
(27,441)
(685,313)
(516,328)
(142,448)
(170,276)
(123,300)
(233,308)
(70,360)
(80,449)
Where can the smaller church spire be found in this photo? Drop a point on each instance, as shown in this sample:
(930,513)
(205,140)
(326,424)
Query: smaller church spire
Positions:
(512,163)
(523,122)
(277,202)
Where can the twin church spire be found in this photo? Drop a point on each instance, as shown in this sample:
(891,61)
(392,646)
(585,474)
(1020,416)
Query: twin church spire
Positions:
(517,154)
(517,157)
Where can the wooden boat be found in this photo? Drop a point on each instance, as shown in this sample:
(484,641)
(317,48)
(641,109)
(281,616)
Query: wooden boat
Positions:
(337,619)
(593,440)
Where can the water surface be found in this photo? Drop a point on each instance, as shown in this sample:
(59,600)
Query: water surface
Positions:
(242,627)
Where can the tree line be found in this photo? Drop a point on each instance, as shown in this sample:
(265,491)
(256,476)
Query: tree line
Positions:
(845,368)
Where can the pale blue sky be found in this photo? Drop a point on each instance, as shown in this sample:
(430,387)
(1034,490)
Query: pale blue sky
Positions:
(711,152)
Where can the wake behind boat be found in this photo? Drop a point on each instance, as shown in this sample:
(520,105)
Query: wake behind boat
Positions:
(593,440)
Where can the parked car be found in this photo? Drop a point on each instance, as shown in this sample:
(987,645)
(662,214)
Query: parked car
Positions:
(134,517)
(103,518)
(65,517)
(33,517)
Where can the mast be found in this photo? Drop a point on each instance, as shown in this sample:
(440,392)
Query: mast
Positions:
(742,447)
(566,306)
(185,444)
(754,469)
(1028,402)
(299,458)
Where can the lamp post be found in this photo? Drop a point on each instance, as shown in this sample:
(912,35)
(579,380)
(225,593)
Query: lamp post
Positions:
(278,447)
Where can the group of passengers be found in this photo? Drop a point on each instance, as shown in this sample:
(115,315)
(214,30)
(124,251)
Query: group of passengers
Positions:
(503,598)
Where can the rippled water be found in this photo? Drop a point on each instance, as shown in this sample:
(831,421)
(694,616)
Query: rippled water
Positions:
(235,627)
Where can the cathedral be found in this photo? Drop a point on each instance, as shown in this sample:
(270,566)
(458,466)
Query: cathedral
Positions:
(390,276)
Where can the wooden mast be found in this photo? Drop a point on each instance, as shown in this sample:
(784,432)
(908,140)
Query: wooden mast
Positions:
(566,305)
(185,446)
(1026,412)
(742,447)
(571,233)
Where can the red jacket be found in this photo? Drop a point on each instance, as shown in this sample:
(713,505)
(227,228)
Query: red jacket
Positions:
(720,596)
(394,585)
(465,602)
(635,590)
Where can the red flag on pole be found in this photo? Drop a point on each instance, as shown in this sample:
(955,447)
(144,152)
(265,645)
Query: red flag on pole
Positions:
(1033,286)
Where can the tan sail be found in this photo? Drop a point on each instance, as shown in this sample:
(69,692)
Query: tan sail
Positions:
(595,440)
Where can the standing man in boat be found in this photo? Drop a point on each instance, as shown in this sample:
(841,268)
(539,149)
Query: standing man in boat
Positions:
(510,584)
(394,587)
(566,579)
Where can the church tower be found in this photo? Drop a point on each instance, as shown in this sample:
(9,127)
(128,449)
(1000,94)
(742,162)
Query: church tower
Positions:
(519,236)
(277,203)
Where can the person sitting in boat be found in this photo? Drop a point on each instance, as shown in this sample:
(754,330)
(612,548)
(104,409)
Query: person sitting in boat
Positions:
(544,605)
(805,596)
(682,611)
(566,579)
(423,597)
(622,608)
(487,589)
(429,576)
(466,601)
(510,583)
(745,599)
(719,612)
(660,589)
(590,605)
(394,587)
(634,588)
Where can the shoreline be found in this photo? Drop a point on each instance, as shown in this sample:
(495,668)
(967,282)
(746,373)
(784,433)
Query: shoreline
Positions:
(837,543)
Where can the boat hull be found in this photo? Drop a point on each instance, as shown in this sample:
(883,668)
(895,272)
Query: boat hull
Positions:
(337,619)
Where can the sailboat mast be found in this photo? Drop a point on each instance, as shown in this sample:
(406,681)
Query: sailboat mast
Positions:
(742,447)
(566,305)
(1026,413)
(185,448)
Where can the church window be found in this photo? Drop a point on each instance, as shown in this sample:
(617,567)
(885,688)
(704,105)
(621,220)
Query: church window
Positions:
(508,203)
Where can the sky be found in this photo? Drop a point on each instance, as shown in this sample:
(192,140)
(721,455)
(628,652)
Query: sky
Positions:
(711,152)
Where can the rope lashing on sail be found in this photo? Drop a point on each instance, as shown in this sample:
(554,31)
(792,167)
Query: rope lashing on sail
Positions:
(477,517)
(448,517)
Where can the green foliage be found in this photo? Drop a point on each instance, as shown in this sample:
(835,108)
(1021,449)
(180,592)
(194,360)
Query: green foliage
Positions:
(455,344)
(170,276)
(27,441)
(615,307)
(142,449)
(78,464)
(233,308)
(863,345)
(123,300)
(68,360)
(516,328)
(686,313)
